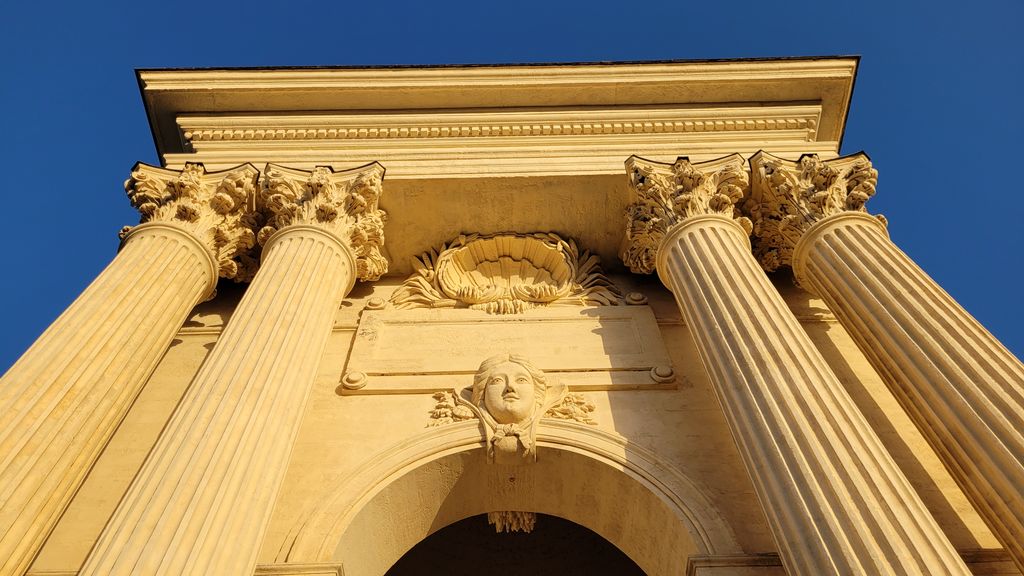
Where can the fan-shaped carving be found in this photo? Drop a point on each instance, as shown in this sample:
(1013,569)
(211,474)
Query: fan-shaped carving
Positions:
(506,274)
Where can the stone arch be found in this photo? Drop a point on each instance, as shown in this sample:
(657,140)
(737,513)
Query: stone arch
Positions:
(623,492)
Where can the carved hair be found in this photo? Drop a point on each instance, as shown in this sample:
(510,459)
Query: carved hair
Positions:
(483,374)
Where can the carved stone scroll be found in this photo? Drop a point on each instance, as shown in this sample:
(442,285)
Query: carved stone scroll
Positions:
(345,203)
(506,274)
(665,194)
(218,208)
(787,197)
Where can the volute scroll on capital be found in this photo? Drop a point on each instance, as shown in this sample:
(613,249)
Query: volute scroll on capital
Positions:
(217,208)
(664,195)
(788,197)
(344,204)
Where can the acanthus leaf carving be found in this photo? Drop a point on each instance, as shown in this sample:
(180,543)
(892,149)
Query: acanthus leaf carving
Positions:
(664,195)
(788,197)
(343,203)
(512,521)
(217,207)
(506,274)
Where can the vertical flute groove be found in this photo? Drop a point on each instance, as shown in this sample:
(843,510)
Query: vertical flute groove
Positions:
(65,396)
(209,475)
(959,384)
(835,500)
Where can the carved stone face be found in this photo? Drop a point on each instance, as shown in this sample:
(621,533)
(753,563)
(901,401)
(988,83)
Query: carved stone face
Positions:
(509,394)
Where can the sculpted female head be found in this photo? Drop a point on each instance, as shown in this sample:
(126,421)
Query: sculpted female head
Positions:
(509,387)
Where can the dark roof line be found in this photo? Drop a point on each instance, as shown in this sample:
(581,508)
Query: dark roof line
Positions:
(509,64)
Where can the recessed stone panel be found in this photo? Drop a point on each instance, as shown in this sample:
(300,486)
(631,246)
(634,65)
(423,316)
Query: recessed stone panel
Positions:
(601,348)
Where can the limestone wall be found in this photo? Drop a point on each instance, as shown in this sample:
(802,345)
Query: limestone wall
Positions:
(343,436)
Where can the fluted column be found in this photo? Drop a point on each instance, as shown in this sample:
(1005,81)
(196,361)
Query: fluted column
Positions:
(961,387)
(835,501)
(202,501)
(61,402)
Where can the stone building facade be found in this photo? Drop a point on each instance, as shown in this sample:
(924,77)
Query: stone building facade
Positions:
(644,301)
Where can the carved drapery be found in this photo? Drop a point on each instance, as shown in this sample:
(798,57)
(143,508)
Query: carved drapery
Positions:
(63,399)
(506,274)
(962,388)
(796,428)
(215,471)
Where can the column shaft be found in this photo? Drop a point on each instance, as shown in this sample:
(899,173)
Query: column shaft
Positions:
(61,402)
(835,500)
(963,389)
(203,499)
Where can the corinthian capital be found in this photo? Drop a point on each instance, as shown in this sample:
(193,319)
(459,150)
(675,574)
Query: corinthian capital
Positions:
(217,207)
(787,197)
(343,203)
(663,195)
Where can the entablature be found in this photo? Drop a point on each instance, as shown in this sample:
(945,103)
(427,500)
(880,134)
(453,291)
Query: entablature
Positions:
(498,121)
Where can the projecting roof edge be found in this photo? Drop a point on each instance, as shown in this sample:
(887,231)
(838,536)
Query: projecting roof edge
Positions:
(169,93)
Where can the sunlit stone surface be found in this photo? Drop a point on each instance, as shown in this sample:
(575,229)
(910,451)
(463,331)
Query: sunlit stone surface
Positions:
(438,306)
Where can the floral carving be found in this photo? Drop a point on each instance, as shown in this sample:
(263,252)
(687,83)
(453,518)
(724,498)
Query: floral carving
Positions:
(447,410)
(666,194)
(506,274)
(217,207)
(788,197)
(573,407)
(344,203)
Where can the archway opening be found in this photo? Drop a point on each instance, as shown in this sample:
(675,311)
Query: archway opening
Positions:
(623,493)
(554,546)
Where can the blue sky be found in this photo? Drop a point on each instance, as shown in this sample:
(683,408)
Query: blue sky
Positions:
(937,106)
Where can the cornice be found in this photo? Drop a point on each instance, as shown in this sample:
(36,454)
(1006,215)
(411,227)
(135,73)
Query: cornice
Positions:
(532,119)
(388,77)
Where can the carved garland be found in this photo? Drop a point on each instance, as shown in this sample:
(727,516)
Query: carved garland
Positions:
(506,274)
(788,197)
(666,194)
